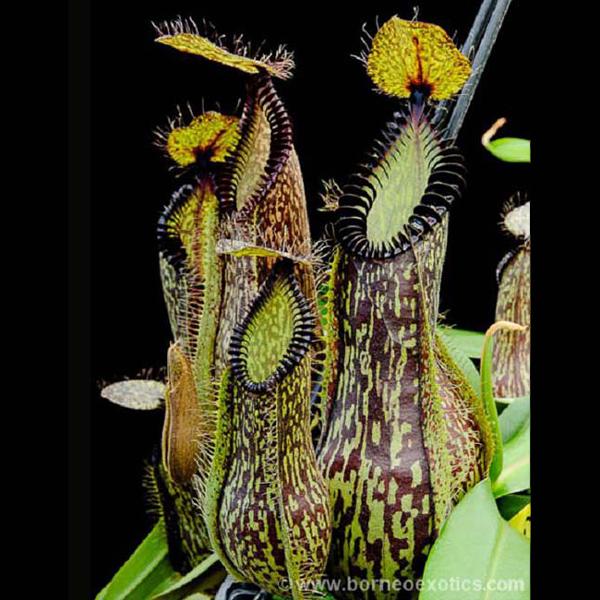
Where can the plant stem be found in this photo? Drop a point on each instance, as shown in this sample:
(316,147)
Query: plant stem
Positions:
(479,44)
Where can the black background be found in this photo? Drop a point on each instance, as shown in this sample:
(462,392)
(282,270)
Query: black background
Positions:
(138,83)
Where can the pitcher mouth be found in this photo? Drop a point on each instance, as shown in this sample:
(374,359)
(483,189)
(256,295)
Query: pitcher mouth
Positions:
(410,214)
(261,99)
(516,222)
(246,350)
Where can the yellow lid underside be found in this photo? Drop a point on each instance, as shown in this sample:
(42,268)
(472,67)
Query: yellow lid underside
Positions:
(409,54)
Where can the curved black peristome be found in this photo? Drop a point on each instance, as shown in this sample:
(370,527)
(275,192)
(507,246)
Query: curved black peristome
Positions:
(445,185)
(303,332)
(519,243)
(169,245)
(261,93)
(507,259)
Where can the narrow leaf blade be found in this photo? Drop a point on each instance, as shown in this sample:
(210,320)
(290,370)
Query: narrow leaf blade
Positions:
(196,581)
(145,573)
(469,342)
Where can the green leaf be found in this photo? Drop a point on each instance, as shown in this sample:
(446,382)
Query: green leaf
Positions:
(146,573)
(469,342)
(511,149)
(504,402)
(512,504)
(206,574)
(515,418)
(516,473)
(478,555)
(515,428)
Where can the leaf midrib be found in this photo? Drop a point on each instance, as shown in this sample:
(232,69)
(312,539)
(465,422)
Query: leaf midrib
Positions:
(493,566)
